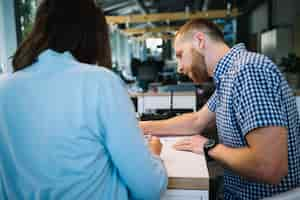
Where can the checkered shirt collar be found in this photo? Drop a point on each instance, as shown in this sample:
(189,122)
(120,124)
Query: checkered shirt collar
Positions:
(227,61)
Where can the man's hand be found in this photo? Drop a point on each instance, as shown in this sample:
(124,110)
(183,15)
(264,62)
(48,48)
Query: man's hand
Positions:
(194,144)
(145,126)
(155,145)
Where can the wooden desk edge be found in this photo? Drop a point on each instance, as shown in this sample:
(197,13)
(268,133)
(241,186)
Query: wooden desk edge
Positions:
(189,183)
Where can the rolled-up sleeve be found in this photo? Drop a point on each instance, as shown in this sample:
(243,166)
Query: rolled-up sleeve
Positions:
(212,102)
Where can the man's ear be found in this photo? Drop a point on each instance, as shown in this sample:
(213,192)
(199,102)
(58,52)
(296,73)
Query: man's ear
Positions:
(199,40)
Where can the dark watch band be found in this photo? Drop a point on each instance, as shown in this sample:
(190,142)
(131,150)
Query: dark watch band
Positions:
(209,144)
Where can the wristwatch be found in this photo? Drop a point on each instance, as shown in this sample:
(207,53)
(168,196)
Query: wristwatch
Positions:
(208,145)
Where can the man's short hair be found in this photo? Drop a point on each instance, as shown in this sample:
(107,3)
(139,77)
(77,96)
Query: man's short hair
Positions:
(206,26)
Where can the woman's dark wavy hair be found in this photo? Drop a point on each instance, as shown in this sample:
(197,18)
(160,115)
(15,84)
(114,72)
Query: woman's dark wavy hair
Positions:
(78,26)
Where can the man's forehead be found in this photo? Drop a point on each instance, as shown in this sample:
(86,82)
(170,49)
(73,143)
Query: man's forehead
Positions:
(180,44)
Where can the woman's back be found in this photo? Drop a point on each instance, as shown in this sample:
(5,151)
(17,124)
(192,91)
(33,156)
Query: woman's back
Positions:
(67,130)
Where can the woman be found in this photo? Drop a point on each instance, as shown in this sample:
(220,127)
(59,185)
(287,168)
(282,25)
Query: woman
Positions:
(67,127)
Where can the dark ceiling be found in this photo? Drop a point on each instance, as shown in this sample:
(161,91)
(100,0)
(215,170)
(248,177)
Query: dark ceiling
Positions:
(126,7)
(129,7)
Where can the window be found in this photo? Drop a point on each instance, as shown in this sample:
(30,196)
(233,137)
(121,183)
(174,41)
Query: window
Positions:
(25,13)
(154,46)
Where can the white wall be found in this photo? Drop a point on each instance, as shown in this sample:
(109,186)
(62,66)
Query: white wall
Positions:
(8,36)
(284,13)
(259,19)
(273,44)
(287,12)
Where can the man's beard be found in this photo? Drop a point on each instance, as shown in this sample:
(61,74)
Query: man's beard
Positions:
(198,72)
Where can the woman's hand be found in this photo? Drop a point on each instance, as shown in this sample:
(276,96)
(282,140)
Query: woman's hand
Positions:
(145,126)
(155,145)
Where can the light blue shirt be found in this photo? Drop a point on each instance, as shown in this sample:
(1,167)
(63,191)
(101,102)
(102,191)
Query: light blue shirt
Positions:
(68,131)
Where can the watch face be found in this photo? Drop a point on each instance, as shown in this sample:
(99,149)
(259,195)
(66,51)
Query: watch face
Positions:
(210,143)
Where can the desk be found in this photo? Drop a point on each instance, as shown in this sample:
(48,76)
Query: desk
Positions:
(187,172)
(162,100)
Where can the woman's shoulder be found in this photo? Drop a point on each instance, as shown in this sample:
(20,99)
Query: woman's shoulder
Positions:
(5,78)
(101,73)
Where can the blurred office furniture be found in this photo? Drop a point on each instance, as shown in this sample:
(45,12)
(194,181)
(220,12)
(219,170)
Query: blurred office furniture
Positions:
(147,72)
(167,101)
(290,66)
(135,63)
(177,87)
(203,93)
(274,46)
(152,101)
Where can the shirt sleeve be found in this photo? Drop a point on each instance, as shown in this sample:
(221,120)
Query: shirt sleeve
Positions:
(142,173)
(212,102)
(257,98)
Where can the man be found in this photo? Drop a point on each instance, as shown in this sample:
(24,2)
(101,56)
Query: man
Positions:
(253,107)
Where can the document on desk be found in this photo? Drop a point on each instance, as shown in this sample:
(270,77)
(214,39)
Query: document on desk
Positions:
(186,170)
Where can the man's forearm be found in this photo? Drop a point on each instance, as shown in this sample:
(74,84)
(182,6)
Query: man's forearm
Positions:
(244,162)
(239,160)
(185,124)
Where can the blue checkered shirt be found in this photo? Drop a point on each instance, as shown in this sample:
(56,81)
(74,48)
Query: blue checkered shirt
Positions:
(251,93)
